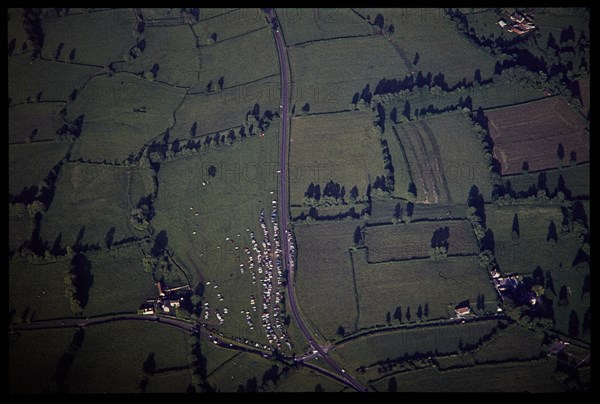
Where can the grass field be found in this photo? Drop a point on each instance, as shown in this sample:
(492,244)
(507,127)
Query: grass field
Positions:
(30,163)
(120,283)
(403,242)
(514,343)
(240,371)
(92,199)
(395,344)
(324,279)
(226,109)
(547,123)
(327,74)
(112,129)
(532,249)
(445,158)
(304,25)
(33,357)
(576,181)
(38,121)
(228,24)
(98,366)
(170,382)
(306,380)
(573,280)
(414,32)
(357,164)
(98,38)
(226,206)
(173,48)
(225,58)
(15,29)
(39,287)
(531,377)
(19,230)
(55,81)
(438,284)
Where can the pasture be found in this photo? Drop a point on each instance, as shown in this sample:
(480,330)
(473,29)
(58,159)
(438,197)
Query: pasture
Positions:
(356,164)
(33,358)
(413,240)
(324,278)
(98,365)
(531,377)
(327,74)
(547,124)
(245,369)
(301,25)
(436,286)
(114,124)
(92,199)
(34,122)
(445,158)
(513,344)
(228,24)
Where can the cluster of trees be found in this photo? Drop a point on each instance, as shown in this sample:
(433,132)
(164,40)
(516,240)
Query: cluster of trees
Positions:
(439,244)
(422,311)
(79,281)
(143,213)
(32,24)
(313,215)
(333,194)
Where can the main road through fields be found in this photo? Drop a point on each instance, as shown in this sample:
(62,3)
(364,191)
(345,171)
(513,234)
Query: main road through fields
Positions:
(284,207)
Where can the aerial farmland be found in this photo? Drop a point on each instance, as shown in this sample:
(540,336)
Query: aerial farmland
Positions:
(207,200)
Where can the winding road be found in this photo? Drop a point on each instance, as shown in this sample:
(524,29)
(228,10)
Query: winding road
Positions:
(283,202)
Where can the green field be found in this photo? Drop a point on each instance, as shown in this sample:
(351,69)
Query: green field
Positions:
(120,283)
(228,24)
(112,129)
(413,240)
(446,339)
(226,206)
(169,382)
(224,110)
(98,365)
(38,287)
(532,249)
(39,121)
(305,25)
(327,74)
(306,380)
(31,163)
(440,285)
(226,58)
(80,32)
(19,230)
(33,358)
(357,164)
(445,158)
(173,48)
(241,370)
(414,32)
(576,181)
(514,343)
(324,279)
(531,377)
(92,199)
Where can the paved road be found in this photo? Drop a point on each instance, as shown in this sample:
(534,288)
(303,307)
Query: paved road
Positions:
(283,204)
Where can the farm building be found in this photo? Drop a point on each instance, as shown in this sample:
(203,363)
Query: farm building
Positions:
(462,311)
(147,308)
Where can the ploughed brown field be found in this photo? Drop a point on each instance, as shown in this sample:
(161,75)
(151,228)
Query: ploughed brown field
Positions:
(532,132)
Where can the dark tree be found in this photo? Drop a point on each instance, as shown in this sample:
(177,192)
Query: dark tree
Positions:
(426,310)
(109,237)
(317,192)
(212,171)
(398,211)
(214,36)
(409,209)
(563,296)
(552,232)
(319,389)
(392,385)
(477,76)
(251,385)
(221,82)
(586,324)
(391,29)
(560,151)
(420,312)
(406,111)
(160,243)
(306,108)
(341,331)
(537,277)
(542,180)
(573,157)
(394,115)
(515,227)
(149,366)
(579,214)
(357,236)
(525,167)
(586,285)
(416,59)
(398,314)
(379,21)
(388,318)
(408,316)
(271,375)
(549,285)
(573,324)
(11,46)
(82,278)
